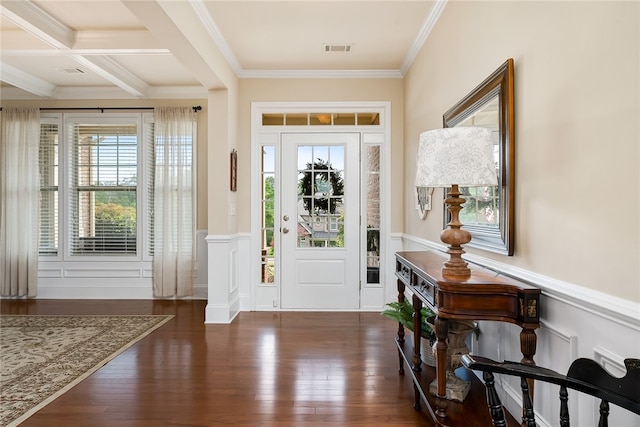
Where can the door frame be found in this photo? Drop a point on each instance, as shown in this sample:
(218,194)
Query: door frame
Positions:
(266,297)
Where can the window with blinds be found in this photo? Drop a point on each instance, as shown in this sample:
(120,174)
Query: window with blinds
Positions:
(103,188)
(149,140)
(49,194)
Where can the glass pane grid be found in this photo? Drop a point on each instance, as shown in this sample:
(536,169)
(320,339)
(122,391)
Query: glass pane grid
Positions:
(373,214)
(321,119)
(320,196)
(104,208)
(481,206)
(267,265)
(151,171)
(48,171)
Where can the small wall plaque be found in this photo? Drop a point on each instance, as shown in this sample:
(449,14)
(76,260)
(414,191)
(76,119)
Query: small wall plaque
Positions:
(233,179)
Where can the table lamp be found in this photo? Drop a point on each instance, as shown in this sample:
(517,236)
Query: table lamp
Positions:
(452,157)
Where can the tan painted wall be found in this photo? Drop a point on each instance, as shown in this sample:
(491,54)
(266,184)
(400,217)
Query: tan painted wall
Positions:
(222,139)
(320,90)
(577,91)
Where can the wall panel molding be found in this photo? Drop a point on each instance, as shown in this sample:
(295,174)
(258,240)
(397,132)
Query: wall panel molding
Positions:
(575,322)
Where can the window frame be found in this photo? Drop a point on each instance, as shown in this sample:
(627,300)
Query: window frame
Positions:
(54,119)
(72,119)
(65,122)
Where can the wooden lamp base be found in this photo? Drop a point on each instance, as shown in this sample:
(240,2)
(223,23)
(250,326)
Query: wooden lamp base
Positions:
(455,237)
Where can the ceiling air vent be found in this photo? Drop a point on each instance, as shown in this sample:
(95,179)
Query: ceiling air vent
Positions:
(70,70)
(337,47)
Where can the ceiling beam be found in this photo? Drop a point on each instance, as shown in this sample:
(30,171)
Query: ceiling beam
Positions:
(113,72)
(39,23)
(130,39)
(25,81)
(163,26)
(36,21)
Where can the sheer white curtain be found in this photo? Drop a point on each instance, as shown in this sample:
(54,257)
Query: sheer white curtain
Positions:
(173,202)
(19,201)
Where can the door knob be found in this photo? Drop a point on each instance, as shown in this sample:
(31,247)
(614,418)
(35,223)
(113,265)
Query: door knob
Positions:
(285,230)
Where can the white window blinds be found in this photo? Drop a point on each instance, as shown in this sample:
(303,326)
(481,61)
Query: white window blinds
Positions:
(49,191)
(103,188)
(149,143)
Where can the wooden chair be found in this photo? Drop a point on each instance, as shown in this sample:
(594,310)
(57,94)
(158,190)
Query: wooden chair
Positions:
(584,375)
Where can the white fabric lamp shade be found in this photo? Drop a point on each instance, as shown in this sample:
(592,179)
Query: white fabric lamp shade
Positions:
(459,155)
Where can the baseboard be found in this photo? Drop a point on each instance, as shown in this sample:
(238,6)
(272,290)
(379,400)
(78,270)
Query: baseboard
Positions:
(121,291)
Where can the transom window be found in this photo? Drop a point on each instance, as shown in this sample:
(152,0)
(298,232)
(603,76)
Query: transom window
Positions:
(321,119)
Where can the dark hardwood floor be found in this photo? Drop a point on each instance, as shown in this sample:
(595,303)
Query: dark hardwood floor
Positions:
(265,368)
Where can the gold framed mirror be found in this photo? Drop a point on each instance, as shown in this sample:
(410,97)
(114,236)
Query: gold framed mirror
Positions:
(488,213)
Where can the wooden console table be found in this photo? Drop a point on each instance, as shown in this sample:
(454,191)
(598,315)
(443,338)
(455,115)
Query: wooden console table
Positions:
(486,295)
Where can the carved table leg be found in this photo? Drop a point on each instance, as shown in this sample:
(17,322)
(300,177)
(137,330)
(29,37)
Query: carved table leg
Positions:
(442,330)
(401,288)
(416,400)
(417,330)
(528,343)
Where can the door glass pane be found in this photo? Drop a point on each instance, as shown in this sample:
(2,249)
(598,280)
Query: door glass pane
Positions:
(305,154)
(337,157)
(320,210)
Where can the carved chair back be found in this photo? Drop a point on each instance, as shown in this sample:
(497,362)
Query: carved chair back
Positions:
(584,375)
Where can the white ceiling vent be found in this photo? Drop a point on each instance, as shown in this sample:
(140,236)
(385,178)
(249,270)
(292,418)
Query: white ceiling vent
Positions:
(70,70)
(337,47)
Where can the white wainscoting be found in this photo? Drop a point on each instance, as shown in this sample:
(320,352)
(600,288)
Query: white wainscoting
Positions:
(108,279)
(575,322)
(226,253)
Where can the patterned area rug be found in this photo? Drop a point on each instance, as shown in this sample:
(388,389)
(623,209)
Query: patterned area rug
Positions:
(41,357)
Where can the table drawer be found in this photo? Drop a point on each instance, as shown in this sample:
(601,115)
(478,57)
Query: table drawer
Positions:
(425,288)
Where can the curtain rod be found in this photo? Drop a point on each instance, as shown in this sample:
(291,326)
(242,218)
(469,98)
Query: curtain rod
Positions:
(195,108)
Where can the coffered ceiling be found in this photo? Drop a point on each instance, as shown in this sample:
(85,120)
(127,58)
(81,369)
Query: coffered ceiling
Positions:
(119,49)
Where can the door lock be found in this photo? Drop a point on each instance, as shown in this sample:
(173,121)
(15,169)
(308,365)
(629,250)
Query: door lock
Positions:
(285,230)
(285,218)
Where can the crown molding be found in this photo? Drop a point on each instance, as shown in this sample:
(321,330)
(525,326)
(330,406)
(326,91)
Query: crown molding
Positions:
(214,32)
(105,92)
(320,74)
(428,24)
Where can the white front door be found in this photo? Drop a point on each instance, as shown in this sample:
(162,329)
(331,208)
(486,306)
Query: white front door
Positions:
(319,224)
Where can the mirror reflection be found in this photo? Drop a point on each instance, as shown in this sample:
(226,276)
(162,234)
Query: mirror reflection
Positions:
(488,213)
(482,206)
